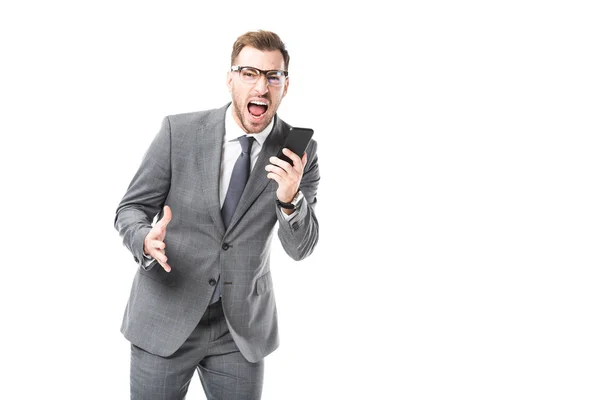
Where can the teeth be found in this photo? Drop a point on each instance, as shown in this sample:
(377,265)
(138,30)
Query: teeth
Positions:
(258,103)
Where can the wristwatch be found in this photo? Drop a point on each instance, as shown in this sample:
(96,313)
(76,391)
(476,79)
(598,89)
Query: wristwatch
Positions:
(294,204)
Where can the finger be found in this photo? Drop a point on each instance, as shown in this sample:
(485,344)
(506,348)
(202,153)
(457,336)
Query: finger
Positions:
(275,177)
(157,244)
(167,215)
(159,256)
(165,266)
(304,160)
(293,156)
(276,170)
(280,163)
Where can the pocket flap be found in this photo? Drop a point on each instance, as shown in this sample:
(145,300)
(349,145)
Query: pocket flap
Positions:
(264,284)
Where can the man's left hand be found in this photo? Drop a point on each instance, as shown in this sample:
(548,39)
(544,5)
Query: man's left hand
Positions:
(287,176)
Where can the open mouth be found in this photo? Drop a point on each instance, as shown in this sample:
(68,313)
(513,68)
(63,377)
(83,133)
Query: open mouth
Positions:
(257,109)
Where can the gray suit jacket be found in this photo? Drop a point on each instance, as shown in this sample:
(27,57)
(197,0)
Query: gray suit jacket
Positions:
(181,169)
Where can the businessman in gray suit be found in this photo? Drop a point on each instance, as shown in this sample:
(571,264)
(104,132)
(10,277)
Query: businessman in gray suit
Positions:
(202,298)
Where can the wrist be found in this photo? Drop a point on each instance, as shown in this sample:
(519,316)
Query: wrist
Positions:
(287,200)
(293,204)
(145,251)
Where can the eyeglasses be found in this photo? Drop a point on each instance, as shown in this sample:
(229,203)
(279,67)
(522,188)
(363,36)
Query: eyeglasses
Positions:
(251,75)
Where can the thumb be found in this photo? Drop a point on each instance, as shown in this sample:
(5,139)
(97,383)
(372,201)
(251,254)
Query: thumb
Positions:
(166,217)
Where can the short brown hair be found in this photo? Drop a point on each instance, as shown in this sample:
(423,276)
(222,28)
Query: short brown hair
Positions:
(263,41)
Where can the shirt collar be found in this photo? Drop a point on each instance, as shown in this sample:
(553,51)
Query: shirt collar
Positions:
(233,130)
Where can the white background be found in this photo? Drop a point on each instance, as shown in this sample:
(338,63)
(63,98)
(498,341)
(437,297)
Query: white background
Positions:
(459,199)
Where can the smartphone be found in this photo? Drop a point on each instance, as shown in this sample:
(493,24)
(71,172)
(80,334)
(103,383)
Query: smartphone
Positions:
(297,141)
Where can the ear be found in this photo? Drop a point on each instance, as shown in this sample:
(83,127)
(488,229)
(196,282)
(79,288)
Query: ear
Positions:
(285,87)
(230,81)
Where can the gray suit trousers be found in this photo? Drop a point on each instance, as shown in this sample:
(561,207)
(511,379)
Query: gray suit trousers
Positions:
(210,349)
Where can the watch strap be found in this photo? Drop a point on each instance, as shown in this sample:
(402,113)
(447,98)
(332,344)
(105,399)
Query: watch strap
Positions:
(293,204)
(288,206)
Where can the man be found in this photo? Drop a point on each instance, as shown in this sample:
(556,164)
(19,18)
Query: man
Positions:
(202,297)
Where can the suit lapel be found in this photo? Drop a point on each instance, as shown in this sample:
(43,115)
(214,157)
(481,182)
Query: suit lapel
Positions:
(209,142)
(258,178)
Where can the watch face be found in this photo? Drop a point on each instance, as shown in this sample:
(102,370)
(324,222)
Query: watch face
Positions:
(299,196)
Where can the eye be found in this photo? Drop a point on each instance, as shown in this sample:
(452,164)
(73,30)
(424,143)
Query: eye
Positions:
(249,72)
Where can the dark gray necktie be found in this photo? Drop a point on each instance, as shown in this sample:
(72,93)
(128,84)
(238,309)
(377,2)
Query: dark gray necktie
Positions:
(239,177)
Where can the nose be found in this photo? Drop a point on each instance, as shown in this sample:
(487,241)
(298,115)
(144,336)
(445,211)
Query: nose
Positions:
(261,86)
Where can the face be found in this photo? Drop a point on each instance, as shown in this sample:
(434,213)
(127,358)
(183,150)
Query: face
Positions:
(249,100)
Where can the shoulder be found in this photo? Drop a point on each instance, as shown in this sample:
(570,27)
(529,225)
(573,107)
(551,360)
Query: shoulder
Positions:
(196,119)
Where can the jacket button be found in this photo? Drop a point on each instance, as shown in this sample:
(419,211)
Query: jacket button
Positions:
(225,246)
(212,282)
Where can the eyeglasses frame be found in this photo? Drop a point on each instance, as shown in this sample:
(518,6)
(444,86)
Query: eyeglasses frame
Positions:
(239,68)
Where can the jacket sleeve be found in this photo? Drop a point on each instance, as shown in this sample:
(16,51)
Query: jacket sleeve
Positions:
(300,234)
(146,195)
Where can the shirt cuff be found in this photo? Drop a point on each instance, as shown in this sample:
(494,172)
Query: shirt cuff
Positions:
(287,217)
(148,260)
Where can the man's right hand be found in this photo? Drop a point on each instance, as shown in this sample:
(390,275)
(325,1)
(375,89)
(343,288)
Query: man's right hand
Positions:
(154,244)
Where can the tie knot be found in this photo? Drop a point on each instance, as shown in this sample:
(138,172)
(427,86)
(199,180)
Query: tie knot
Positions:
(246,143)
